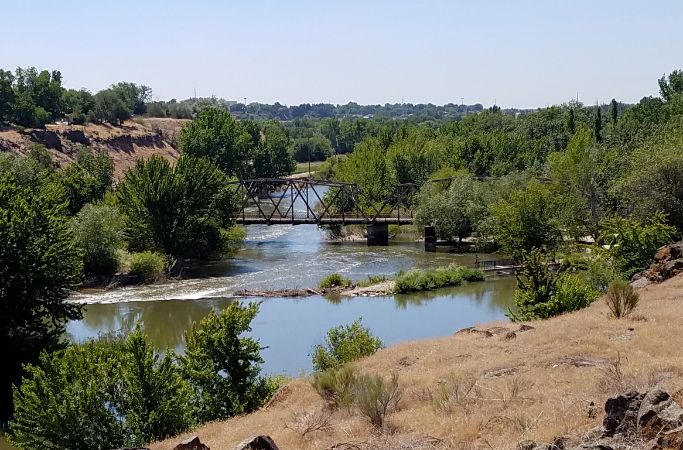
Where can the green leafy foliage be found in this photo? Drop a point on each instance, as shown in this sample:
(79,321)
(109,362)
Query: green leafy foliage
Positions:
(542,293)
(39,263)
(101,395)
(429,279)
(148,266)
(86,180)
(98,231)
(633,244)
(527,219)
(223,364)
(344,344)
(333,280)
(179,210)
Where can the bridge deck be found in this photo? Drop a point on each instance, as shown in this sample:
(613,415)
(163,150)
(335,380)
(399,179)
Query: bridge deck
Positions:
(260,220)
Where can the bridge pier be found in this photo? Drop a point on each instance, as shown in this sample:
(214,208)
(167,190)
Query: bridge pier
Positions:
(430,238)
(378,234)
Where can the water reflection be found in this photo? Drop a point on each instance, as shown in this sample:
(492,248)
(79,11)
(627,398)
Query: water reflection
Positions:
(290,327)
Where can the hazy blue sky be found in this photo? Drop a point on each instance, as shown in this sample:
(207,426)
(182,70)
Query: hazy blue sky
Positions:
(520,53)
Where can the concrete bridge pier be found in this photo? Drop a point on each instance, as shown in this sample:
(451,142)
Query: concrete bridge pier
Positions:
(378,234)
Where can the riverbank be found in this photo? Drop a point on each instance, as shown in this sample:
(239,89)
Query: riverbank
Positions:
(511,385)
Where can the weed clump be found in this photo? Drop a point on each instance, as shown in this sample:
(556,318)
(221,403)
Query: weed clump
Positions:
(621,299)
(336,385)
(376,397)
(426,280)
(333,280)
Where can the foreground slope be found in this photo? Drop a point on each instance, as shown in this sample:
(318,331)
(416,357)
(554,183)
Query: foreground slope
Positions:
(535,384)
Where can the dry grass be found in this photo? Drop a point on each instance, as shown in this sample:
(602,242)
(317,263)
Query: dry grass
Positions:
(546,382)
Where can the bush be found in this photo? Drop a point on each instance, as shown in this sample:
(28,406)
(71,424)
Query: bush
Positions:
(376,398)
(333,280)
(424,280)
(542,293)
(621,298)
(98,231)
(336,385)
(372,279)
(100,395)
(148,266)
(232,239)
(223,364)
(344,344)
(633,244)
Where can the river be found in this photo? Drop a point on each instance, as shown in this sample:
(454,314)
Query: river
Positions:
(289,257)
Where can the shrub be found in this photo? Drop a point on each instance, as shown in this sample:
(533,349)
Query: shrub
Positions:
(542,293)
(232,239)
(149,266)
(336,385)
(457,390)
(372,279)
(621,298)
(102,394)
(333,280)
(424,280)
(98,231)
(633,244)
(223,364)
(376,398)
(344,344)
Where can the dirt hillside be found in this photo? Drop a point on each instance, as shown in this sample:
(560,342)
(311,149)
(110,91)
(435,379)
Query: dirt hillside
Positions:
(125,144)
(489,387)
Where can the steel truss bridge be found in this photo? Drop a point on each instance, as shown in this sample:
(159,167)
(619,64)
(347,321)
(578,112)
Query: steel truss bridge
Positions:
(292,201)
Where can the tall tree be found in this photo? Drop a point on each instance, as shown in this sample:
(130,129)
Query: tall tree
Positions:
(39,263)
(215,135)
(597,127)
(571,122)
(668,87)
(6,95)
(614,111)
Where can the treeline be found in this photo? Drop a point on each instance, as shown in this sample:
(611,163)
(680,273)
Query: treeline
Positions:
(184,109)
(32,98)
(545,182)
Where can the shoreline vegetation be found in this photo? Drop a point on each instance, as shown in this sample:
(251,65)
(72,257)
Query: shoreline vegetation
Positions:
(414,280)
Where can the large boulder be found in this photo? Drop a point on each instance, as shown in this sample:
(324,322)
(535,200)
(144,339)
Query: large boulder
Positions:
(658,414)
(261,442)
(191,443)
(621,413)
(668,262)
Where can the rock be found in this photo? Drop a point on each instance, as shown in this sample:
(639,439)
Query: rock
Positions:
(668,262)
(510,335)
(524,327)
(191,443)
(526,445)
(672,439)
(658,414)
(621,413)
(262,442)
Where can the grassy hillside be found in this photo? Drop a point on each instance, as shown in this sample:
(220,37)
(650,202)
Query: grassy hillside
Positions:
(489,390)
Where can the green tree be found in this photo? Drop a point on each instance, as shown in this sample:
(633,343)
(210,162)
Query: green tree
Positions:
(527,219)
(109,106)
(100,395)
(98,231)
(6,96)
(215,135)
(614,111)
(271,157)
(633,244)
(177,210)
(571,122)
(223,364)
(39,263)
(597,126)
(133,95)
(316,147)
(668,87)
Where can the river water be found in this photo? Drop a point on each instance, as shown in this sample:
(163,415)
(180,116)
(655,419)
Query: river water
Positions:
(289,257)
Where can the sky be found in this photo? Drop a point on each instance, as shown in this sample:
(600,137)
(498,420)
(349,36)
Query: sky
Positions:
(518,53)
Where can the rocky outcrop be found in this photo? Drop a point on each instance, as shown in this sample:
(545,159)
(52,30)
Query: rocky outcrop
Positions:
(668,263)
(257,443)
(191,443)
(651,420)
